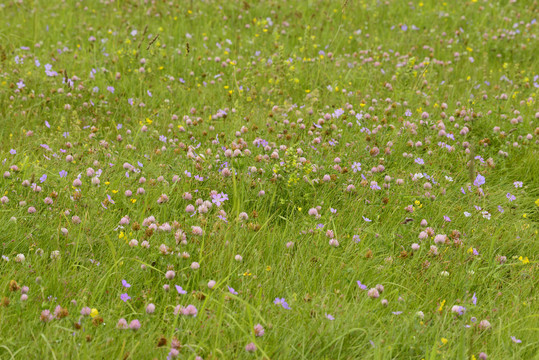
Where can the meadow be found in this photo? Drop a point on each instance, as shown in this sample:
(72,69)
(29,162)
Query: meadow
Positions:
(269,180)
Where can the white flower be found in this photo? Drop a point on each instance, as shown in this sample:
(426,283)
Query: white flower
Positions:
(20,258)
(486,215)
(449,178)
(444,273)
(467,214)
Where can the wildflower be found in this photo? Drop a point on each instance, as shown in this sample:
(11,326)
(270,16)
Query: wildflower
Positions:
(134,325)
(180,290)
(515,340)
(356,167)
(484,325)
(259,330)
(94,313)
(281,302)
(232,291)
(361,286)
(251,347)
(373,293)
(170,274)
(211,284)
(329,317)
(46,316)
(457,309)
(479,180)
(85,311)
(122,324)
(125,297)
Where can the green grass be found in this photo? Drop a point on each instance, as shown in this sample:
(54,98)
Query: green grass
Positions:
(276,68)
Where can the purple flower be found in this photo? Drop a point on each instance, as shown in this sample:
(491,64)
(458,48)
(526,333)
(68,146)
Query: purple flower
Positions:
(334,211)
(149,93)
(510,197)
(125,297)
(479,180)
(43,178)
(111,89)
(366,219)
(232,291)
(330,317)
(446,218)
(12,151)
(397,312)
(218,199)
(518,184)
(180,290)
(419,161)
(356,167)
(361,286)
(125,284)
(515,340)
(63,173)
(47,124)
(356,238)
(500,209)
(474,299)
(281,302)
(20,84)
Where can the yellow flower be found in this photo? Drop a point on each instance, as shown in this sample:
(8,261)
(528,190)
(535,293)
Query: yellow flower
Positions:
(94,312)
(441,306)
(444,341)
(268,268)
(121,235)
(524,260)
(537,202)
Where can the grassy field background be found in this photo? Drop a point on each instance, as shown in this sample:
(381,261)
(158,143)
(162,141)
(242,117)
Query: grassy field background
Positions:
(270,179)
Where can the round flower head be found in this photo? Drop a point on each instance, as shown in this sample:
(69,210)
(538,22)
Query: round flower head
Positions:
(259,330)
(482,356)
(134,324)
(211,284)
(170,275)
(440,239)
(122,324)
(85,311)
(150,309)
(251,347)
(197,230)
(484,325)
(373,293)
